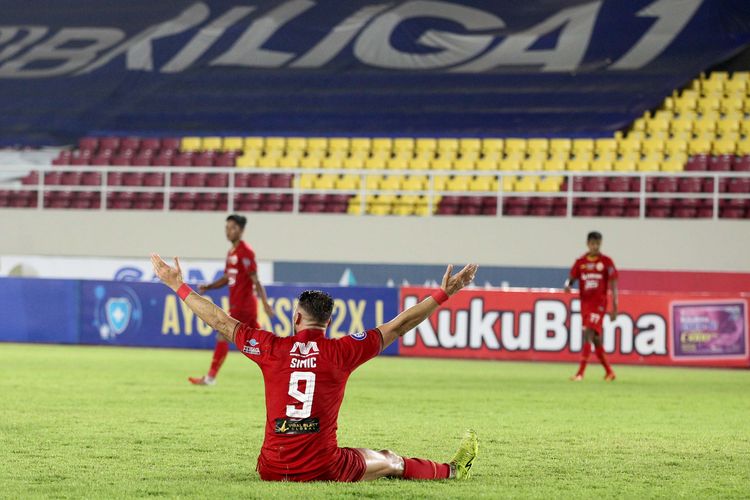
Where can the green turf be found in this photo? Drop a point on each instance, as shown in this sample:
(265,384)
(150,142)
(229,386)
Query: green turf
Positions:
(111,422)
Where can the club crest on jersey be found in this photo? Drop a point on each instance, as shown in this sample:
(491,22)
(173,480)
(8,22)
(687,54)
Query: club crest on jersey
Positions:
(359,336)
(599,266)
(304,349)
(251,347)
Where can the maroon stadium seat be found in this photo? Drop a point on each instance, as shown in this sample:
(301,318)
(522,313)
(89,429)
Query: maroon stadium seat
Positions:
(114,179)
(132,143)
(183,160)
(142,160)
(666,185)
(31,178)
(132,179)
(112,143)
(88,144)
(63,158)
(195,180)
(618,185)
(722,163)
(153,179)
(697,163)
(70,178)
(741,185)
(152,144)
(205,159)
(228,159)
(78,160)
(685,208)
(259,180)
(247,202)
(281,180)
(741,163)
(690,185)
(163,160)
(217,180)
(91,179)
(52,178)
(489,205)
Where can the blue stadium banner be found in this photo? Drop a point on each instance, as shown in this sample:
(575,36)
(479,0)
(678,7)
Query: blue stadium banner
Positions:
(482,67)
(148,314)
(39,310)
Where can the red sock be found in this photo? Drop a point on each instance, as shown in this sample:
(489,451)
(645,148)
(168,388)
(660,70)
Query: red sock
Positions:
(603,358)
(419,468)
(220,354)
(584,358)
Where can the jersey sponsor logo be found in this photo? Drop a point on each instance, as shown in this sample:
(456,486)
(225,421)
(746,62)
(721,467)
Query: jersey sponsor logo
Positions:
(251,347)
(304,349)
(359,336)
(232,260)
(296,425)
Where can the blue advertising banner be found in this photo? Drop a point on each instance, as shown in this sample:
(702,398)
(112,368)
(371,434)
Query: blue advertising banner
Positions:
(419,67)
(148,314)
(44,311)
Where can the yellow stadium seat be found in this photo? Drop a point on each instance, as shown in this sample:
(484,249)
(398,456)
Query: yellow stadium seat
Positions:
(532,165)
(652,155)
(404,206)
(459,183)
(480,184)
(232,144)
(361,144)
(339,144)
(708,104)
(515,146)
(419,164)
(441,164)
(190,144)
(426,144)
(440,182)
(447,144)
(254,143)
(375,164)
(313,143)
(527,184)
(735,87)
(275,143)
(348,182)
(269,161)
(509,165)
(554,165)
(673,165)
(669,103)
(685,103)
(295,143)
(397,164)
(579,165)
(582,146)
(743,147)
(403,144)
(672,146)
(651,145)
(372,182)
(290,161)
(648,166)
(537,145)
(332,163)
(605,145)
(211,144)
(745,128)
(487,164)
(656,125)
(309,162)
(741,75)
(732,105)
(326,181)
(627,145)
(550,184)
(492,145)
(600,165)
(469,145)
(415,183)
(392,182)
(306,181)
(728,127)
(508,183)
(464,165)
(354,163)
(712,86)
(724,147)
(382,143)
(560,147)
(247,160)
(699,146)
(447,155)
(468,155)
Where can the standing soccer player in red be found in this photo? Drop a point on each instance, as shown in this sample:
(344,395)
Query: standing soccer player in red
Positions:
(241,275)
(305,377)
(596,273)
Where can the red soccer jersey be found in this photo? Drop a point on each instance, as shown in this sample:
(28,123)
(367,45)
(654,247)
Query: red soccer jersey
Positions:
(594,274)
(305,376)
(243,305)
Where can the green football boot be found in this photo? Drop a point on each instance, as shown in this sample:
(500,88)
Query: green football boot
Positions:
(465,455)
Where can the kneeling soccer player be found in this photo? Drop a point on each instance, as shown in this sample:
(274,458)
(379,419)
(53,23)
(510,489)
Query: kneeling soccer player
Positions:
(305,377)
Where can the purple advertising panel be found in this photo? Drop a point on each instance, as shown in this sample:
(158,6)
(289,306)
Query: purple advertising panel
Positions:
(709,329)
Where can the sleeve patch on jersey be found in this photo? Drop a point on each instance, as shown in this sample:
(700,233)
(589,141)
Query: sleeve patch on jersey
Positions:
(359,336)
(296,425)
(246,262)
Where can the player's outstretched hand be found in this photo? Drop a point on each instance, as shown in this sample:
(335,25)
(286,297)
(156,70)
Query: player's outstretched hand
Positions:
(170,276)
(452,284)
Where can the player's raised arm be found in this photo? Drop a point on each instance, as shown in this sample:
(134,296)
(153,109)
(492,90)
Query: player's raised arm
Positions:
(413,316)
(205,309)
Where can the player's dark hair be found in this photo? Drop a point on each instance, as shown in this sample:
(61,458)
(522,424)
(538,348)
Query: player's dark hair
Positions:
(594,235)
(318,304)
(238,219)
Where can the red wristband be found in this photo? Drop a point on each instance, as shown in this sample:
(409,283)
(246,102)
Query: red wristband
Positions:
(440,296)
(184,291)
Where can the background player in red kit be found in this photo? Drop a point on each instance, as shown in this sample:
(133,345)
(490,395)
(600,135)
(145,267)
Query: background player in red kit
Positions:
(305,377)
(596,273)
(241,275)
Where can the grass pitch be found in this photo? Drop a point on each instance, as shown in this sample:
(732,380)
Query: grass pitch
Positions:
(100,422)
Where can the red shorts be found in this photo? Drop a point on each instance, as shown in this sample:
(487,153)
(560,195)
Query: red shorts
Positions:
(347,466)
(592,316)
